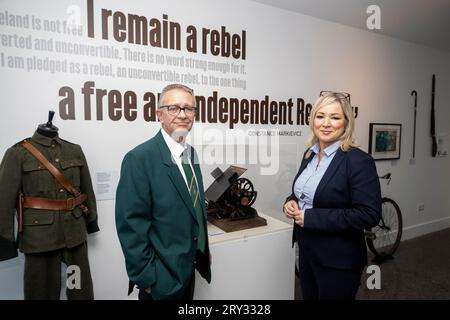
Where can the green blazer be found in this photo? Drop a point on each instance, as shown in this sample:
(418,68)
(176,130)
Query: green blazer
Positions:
(156,221)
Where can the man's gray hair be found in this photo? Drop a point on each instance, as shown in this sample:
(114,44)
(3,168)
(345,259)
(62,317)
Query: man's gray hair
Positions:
(174,86)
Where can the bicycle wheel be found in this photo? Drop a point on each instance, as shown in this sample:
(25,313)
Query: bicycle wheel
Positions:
(387,234)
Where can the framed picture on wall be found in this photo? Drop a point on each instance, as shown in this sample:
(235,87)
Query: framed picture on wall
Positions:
(384,141)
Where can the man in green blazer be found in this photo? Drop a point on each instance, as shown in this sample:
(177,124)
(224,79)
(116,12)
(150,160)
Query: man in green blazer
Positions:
(160,206)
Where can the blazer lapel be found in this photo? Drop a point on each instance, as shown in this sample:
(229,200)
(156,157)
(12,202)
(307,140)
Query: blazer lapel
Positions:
(174,174)
(334,165)
(305,162)
(302,167)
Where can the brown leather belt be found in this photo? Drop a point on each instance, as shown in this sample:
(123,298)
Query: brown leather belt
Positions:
(49,204)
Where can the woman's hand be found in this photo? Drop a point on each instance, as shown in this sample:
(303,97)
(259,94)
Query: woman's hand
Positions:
(299,217)
(290,208)
(292,211)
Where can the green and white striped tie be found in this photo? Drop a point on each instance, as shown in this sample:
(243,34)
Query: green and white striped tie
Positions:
(195,196)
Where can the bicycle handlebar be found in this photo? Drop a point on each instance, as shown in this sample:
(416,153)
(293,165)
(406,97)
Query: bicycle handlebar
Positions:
(386,176)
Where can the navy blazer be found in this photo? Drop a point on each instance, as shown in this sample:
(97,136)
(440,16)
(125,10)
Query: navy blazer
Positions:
(347,201)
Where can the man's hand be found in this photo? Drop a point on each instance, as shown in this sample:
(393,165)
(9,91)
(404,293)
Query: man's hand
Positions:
(148,290)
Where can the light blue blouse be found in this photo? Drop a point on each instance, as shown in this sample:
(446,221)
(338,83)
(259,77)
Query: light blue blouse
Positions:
(306,184)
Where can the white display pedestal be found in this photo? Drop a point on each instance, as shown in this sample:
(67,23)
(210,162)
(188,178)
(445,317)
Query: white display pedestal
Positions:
(254,264)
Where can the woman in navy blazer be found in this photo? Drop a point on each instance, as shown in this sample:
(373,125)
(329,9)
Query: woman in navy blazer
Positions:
(335,196)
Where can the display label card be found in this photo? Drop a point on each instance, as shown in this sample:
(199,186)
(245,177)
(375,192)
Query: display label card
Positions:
(106,185)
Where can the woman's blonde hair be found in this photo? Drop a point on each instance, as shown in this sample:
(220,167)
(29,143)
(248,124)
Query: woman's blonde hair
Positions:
(348,137)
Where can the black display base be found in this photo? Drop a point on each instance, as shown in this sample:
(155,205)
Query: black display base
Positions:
(230,225)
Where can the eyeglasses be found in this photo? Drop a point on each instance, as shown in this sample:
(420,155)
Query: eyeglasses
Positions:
(340,95)
(175,109)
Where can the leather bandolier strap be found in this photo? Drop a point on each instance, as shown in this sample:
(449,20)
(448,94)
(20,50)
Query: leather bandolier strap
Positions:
(49,204)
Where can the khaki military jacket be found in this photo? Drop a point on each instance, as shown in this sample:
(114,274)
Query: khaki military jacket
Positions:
(44,230)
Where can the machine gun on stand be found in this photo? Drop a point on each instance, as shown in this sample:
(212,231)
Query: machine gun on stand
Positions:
(229,201)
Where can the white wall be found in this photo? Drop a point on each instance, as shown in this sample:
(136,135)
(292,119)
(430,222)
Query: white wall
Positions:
(288,56)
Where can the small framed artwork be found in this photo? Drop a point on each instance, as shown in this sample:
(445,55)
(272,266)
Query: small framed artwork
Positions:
(384,141)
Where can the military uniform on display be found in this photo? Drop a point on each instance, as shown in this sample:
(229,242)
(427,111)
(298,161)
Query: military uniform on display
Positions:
(55,218)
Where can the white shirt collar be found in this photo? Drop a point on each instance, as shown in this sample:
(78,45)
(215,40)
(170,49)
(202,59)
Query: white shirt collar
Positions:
(176,149)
